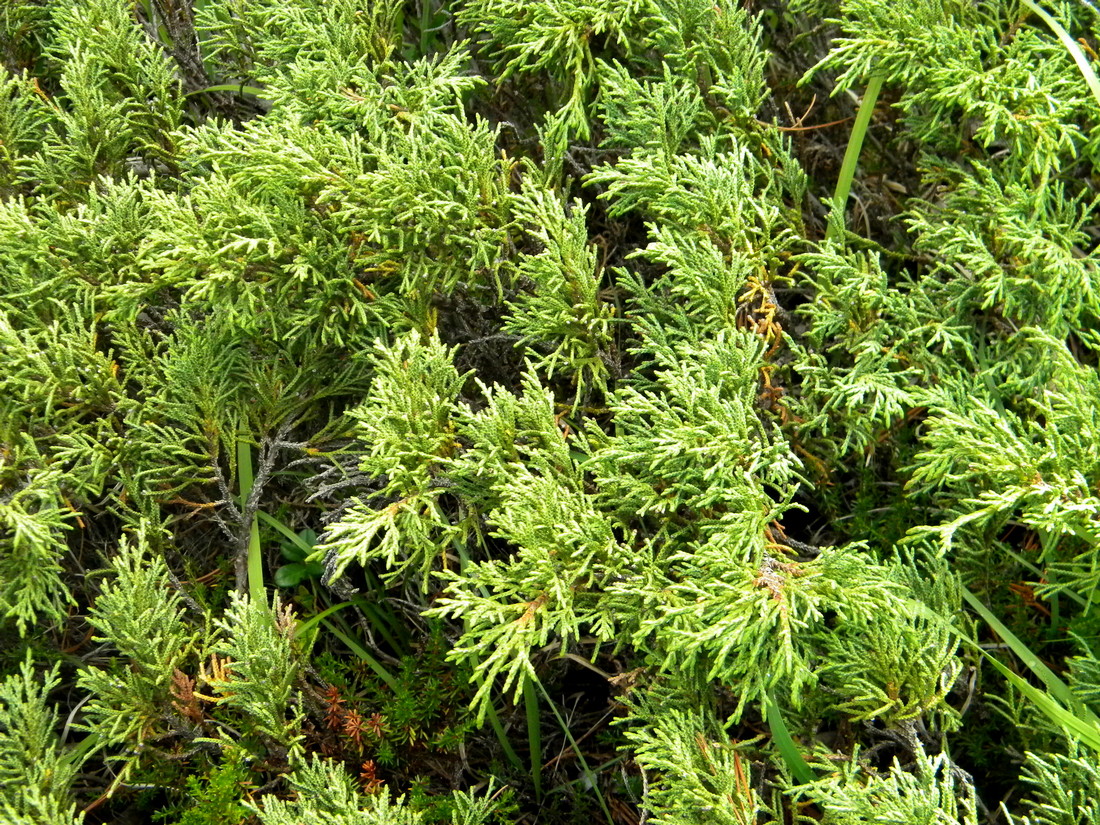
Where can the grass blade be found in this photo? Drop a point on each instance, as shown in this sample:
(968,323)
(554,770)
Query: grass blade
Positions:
(313,621)
(784,743)
(239,88)
(534,734)
(588,774)
(1079,727)
(291,536)
(1078,720)
(1071,46)
(1055,686)
(255,557)
(498,728)
(362,653)
(851,155)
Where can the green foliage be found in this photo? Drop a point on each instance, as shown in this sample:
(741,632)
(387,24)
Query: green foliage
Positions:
(120,96)
(216,797)
(926,796)
(141,617)
(1021,247)
(298,567)
(34,525)
(564,308)
(23,116)
(726,193)
(24,30)
(407,425)
(893,673)
(715,44)
(263,37)
(556,38)
(692,438)
(1001,462)
(854,384)
(654,115)
(701,775)
(948,58)
(758,625)
(261,665)
(533,322)
(549,589)
(1084,672)
(327,794)
(1063,788)
(442,222)
(36,772)
(429,707)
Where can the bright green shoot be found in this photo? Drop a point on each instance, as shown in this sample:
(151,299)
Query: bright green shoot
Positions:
(785,744)
(851,155)
(1083,721)
(255,557)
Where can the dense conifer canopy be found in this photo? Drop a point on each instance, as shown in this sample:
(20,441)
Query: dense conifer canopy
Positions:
(547,411)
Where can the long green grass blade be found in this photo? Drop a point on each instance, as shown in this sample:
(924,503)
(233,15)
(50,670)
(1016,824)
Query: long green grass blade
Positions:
(588,774)
(1055,686)
(255,556)
(239,88)
(362,653)
(784,743)
(291,536)
(851,155)
(313,621)
(1079,727)
(1057,703)
(1053,702)
(1071,46)
(534,734)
